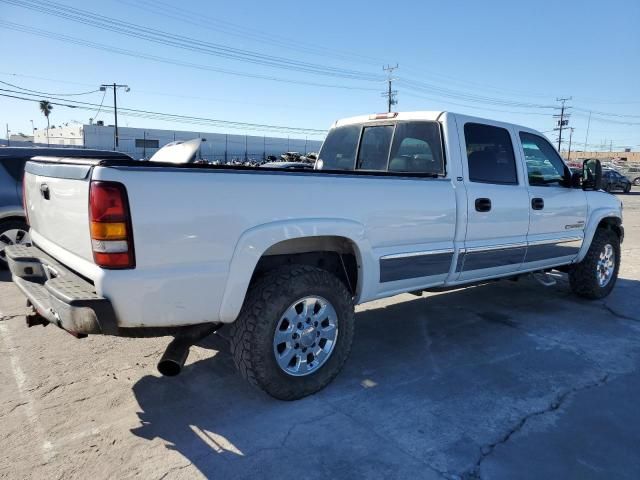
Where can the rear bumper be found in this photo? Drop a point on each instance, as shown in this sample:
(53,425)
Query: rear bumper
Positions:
(59,295)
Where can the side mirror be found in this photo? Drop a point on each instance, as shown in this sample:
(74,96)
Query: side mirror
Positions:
(591,174)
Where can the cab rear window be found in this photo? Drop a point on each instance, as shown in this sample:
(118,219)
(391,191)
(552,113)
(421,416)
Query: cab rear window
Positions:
(400,147)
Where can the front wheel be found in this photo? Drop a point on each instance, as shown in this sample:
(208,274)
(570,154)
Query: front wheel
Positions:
(294,332)
(595,276)
(636,181)
(627,188)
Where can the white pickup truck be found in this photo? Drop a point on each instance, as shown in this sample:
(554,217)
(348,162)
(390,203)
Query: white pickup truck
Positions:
(399,202)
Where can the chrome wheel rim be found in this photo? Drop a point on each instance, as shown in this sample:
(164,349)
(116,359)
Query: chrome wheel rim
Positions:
(606,265)
(15,236)
(305,336)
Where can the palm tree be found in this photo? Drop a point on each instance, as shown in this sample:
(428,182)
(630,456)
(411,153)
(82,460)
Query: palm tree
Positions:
(45,108)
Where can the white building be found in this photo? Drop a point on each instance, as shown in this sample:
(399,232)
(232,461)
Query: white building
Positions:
(142,143)
(20,140)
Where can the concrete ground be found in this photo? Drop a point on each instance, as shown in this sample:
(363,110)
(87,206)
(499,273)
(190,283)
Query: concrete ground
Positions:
(508,380)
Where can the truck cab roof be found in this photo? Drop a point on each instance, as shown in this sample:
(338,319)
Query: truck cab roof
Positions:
(424,115)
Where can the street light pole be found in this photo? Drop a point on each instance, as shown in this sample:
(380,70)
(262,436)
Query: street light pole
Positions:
(115,87)
(570,138)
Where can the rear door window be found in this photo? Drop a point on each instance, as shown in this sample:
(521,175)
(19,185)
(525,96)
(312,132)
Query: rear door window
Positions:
(417,148)
(374,147)
(338,151)
(490,154)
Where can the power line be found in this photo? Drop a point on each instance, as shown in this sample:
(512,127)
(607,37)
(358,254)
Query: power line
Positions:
(179,41)
(169,116)
(49,93)
(446,92)
(156,36)
(473,107)
(104,94)
(197,18)
(107,48)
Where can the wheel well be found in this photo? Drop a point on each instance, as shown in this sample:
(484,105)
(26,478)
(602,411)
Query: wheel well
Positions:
(12,218)
(612,223)
(337,255)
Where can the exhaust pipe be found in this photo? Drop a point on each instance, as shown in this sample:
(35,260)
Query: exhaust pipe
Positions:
(177,351)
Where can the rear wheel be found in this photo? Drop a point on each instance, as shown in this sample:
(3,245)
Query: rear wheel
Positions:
(636,181)
(294,332)
(12,232)
(595,276)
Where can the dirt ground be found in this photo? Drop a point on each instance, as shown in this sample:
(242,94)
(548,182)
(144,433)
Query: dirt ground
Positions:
(507,380)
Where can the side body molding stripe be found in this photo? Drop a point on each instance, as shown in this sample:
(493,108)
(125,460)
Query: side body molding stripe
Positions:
(403,266)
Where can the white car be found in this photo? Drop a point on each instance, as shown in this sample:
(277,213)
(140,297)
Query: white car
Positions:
(399,202)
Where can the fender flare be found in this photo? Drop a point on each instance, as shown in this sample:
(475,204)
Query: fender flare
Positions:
(254,242)
(590,230)
(11,212)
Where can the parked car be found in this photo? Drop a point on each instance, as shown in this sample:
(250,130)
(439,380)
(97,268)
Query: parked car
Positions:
(613,180)
(404,202)
(633,173)
(13,226)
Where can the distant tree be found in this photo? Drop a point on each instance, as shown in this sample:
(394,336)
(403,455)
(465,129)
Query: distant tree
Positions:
(45,108)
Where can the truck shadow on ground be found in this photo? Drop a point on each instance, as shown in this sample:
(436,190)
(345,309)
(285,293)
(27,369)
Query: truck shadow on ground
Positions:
(430,381)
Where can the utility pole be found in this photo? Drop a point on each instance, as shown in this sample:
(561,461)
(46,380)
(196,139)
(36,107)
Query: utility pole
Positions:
(115,87)
(8,141)
(390,94)
(563,117)
(570,137)
(587,136)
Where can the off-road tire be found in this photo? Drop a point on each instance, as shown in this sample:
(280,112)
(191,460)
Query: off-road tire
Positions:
(10,225)
(582,276)
(251,335)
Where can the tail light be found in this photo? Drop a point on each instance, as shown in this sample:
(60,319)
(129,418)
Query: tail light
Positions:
(24,197)
(111,232)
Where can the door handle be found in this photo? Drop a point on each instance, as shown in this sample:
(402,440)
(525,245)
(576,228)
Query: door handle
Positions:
(483,204)
(537,203)
(44,191)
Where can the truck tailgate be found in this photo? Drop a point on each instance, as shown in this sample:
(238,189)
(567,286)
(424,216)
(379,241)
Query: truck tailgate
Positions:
(57,202)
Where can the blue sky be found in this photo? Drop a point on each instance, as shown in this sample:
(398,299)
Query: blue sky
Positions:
(500,59)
